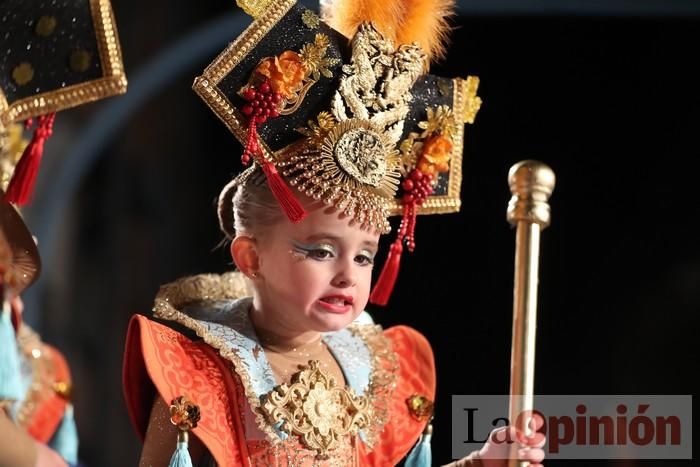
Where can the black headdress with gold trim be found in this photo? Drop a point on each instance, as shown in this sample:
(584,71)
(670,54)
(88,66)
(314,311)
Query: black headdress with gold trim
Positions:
(53,56)
(355,122)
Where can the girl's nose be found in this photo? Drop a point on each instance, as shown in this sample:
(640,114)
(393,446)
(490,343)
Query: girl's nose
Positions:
(345,277)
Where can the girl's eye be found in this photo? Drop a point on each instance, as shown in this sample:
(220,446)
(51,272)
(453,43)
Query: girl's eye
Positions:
(364,260)
(320,253)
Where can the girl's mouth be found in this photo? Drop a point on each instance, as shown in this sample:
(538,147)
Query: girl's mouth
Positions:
(336,303)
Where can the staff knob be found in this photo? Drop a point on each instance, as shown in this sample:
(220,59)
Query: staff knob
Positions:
(531,183)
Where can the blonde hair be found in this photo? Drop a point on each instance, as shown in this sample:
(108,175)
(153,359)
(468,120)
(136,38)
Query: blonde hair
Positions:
(247,206)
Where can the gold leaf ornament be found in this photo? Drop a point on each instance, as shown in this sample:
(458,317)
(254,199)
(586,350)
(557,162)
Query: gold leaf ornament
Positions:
(316,410)
(310,19)
(473,102)
(316,131)
(314,57)
(439,120)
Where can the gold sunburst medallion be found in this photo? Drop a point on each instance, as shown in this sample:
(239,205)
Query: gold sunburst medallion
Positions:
(357,153)
(360,153)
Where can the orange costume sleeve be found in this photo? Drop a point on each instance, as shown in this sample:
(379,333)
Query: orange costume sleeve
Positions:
(416,376)
(160,360)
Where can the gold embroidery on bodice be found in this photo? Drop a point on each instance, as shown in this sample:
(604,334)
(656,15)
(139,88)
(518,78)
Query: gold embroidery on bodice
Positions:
(316,410)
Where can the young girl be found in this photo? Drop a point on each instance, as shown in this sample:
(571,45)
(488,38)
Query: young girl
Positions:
(277,364)
(310,283)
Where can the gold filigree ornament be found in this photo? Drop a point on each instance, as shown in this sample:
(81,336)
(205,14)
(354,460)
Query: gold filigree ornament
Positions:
(318,411)
(351,159)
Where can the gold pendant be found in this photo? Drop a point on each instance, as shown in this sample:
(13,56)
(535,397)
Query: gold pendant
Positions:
(316,410)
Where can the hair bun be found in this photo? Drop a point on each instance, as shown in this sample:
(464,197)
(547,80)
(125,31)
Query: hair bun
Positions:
(225,208)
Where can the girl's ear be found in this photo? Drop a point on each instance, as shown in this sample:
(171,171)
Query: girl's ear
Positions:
(245,254)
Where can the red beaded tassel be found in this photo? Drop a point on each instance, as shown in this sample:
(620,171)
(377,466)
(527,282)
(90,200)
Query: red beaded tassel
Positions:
(21,187)
(262,104)
(390,272)
(286,199)
(417,187)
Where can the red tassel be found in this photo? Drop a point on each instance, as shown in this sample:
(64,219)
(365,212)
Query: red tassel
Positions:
(390,272)
(387,279)
(21,187)
(286,199)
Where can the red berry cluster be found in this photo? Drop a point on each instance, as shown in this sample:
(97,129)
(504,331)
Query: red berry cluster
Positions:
(263,102)
(417,187)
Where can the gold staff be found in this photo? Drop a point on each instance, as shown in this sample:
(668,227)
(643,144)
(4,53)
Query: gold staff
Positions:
(531,183)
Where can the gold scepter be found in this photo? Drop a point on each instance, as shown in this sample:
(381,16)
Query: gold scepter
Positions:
(531,184)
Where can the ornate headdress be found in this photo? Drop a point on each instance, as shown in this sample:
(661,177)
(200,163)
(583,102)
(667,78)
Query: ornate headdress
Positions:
(53,56)
(356,123)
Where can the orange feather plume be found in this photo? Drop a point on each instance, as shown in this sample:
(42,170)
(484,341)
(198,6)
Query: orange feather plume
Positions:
(401,21)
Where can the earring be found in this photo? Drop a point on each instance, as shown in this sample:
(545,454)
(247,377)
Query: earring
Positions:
(254,274)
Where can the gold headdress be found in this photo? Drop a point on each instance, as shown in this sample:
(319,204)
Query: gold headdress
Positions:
(354,122)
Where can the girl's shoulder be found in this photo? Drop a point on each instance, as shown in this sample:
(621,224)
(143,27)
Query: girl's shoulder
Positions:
(403,389)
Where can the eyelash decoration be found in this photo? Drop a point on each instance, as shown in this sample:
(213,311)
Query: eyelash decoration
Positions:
(303,251)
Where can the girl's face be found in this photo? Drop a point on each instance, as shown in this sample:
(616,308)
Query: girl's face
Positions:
(315,275)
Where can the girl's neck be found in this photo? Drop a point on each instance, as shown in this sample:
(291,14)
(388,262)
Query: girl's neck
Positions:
(275,337)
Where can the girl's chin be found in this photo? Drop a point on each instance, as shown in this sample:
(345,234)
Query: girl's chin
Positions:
(327,322)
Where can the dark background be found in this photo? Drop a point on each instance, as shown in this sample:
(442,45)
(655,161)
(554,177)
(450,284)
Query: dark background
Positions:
(604,93)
